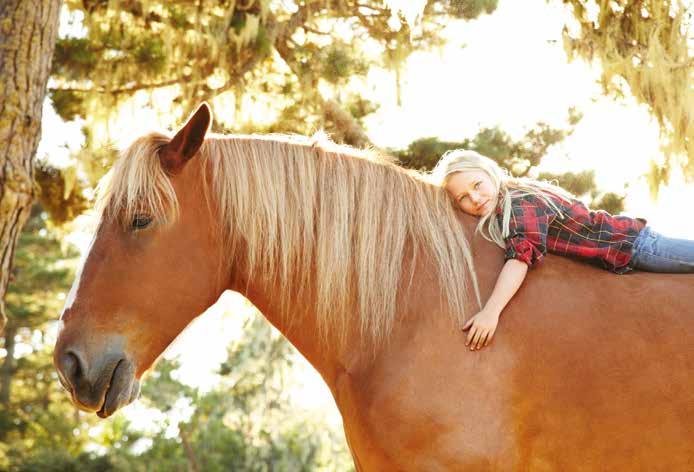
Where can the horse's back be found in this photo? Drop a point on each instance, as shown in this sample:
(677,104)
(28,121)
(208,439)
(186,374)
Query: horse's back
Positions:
(603,372)
(588,370)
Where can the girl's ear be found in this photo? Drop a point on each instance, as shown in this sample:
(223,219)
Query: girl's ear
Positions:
(177,152)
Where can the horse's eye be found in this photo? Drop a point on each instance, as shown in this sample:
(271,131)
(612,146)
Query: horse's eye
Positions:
(140,222)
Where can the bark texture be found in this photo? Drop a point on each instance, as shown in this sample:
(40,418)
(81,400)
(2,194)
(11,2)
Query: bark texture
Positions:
(28,30)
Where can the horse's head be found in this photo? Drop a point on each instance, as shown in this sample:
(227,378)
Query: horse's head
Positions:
(152,267)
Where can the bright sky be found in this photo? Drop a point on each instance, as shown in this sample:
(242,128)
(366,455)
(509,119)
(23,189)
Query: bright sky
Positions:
(506,69)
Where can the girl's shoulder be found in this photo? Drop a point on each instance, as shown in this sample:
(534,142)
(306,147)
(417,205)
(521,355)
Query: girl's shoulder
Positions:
(518,197)
(539,202)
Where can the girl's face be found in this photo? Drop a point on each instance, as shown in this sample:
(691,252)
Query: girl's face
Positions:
(474,191)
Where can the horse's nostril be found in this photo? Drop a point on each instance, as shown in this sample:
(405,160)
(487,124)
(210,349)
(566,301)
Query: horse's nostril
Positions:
(71,369)
(98,382)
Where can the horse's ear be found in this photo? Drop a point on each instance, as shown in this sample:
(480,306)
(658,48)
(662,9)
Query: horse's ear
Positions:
(187,141)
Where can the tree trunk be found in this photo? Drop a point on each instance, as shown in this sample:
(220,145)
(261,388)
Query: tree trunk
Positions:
(28,30)
(190,453)
(7,367)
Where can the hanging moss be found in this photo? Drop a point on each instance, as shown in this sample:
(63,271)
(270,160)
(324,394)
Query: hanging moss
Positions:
(644,52)
(177,16)
(263,42)
(60,193)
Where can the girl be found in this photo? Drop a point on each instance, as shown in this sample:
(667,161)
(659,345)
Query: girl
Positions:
(528,218)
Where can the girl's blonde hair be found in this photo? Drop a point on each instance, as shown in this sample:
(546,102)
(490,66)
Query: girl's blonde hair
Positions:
(462,160)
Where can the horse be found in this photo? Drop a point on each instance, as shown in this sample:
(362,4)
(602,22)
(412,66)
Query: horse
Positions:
(369,271)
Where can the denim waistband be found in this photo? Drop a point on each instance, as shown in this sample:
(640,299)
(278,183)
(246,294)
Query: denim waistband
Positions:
(643,235)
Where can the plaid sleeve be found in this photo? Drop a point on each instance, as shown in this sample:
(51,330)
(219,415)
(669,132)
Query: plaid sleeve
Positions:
(528,226)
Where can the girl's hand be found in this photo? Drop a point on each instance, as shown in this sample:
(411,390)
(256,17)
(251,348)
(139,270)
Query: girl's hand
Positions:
(482,327)
(483,324)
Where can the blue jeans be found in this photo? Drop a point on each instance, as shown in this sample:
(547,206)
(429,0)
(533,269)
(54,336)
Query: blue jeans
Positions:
(654,252)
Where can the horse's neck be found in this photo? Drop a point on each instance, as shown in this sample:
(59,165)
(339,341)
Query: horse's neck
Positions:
(297,321)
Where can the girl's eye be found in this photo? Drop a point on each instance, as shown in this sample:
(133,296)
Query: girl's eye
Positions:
(478,184)
(140,222)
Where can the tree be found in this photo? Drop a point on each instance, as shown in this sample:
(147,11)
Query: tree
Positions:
(644,50)
(297,58)
(27,38)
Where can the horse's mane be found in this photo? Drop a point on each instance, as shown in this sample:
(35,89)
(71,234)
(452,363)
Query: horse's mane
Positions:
(306,205)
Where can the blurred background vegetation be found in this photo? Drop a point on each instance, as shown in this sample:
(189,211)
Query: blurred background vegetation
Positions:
(298,60)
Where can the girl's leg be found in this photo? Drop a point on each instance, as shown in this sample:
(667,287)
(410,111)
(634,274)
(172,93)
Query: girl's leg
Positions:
(654,252)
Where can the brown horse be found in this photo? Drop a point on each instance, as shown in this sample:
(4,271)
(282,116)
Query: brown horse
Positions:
(365,268)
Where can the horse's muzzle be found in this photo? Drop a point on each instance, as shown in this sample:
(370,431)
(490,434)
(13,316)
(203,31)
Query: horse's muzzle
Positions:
(100,385)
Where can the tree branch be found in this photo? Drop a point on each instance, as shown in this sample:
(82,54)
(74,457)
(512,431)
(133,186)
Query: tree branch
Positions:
(190,453)
(116,91)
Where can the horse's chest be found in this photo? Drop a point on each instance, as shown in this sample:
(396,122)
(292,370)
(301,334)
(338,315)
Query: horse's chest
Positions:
(427,412)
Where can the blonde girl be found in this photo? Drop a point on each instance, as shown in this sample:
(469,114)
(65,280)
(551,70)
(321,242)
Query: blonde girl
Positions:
(528,218)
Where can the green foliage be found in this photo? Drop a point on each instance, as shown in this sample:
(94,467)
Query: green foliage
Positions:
(424,153)
(40,273)
(94,158)
(656,175)
(470,10)
(516,156)
(244,424)
(610,202)
(339,63)
(579,183)
(35,414)
(149,53)
(359,107)
(56,460)
(74,58)
(519,157)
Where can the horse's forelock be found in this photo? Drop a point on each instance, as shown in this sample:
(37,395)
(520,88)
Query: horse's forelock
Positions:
(137,184)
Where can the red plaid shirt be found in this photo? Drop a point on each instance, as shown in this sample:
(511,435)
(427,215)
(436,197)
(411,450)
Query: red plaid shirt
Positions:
(596,236)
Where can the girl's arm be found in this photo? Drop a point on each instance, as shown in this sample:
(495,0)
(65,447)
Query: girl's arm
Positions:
(483,325)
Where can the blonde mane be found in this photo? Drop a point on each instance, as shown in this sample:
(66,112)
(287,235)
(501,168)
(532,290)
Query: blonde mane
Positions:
(310,208)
